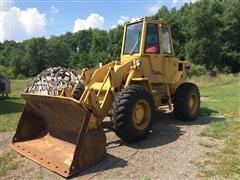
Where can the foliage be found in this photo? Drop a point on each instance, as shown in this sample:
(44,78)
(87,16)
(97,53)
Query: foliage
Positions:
(6,70)
(196,70)
(204,33)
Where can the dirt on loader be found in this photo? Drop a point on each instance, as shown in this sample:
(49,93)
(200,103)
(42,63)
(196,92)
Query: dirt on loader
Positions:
(167,153)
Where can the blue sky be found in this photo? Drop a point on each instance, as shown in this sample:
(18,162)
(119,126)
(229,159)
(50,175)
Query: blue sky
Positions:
(22,19)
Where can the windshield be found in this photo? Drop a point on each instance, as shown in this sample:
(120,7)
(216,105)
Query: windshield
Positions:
(133,38)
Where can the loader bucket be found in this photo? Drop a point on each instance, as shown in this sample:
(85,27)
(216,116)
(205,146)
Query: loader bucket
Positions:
(53,131)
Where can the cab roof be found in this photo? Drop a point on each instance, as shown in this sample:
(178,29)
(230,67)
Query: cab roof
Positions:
(157,21)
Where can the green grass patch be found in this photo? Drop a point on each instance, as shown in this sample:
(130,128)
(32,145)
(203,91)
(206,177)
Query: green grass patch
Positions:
(217,130)
(146,178)
(221,79)
(11,108)
(7,162)
(222,100)
(226,161)
(206,144)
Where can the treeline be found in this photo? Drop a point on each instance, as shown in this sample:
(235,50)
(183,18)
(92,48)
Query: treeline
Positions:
(85,48)
(206,33)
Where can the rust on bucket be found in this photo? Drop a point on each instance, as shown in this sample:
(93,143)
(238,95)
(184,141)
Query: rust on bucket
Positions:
(54,132)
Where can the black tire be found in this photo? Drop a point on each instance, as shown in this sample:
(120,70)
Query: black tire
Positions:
(185,93)
(78,91)
(122,113)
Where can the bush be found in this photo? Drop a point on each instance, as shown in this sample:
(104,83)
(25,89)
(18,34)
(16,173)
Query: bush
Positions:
(196,70)
(7,71)
(21,76)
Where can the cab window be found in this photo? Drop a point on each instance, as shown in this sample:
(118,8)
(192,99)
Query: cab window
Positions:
(167,49)
(133,38)
(152,40)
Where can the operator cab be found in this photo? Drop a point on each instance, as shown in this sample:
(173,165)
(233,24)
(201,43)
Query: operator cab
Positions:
(147,37)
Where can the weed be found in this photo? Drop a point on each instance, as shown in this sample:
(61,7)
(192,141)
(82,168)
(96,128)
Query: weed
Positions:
(7,162)
(206,144)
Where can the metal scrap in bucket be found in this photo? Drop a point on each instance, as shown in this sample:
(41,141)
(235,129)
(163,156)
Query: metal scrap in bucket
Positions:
(52,80)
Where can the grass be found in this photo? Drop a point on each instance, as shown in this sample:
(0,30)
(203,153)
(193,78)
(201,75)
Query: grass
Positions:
(221,98)
(225,162)
(7,162)
(10,109)
(218,130)
(206,144)
(221,79)
(146,178)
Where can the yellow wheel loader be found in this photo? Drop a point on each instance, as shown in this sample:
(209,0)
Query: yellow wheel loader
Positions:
(64,132)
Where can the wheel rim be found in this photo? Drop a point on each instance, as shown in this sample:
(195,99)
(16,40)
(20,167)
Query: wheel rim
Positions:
(141,114)
(193,103)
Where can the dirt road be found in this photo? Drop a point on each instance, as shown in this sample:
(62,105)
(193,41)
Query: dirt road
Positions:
(167,153)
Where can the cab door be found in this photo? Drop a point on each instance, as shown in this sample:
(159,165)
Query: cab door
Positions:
(169,61)
(152,49)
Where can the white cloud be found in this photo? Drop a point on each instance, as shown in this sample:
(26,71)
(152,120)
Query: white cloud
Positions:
(124,19)
(113,26)
(155,7)
(135,19)
(175,1)
(54,10)
(50,21)
(92,21)
(6,5)
(17,24)
(192,1)
(183,1)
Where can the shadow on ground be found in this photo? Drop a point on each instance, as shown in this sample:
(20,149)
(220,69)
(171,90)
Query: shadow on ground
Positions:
(109,161)
(8,106)
(207,112)
(166,129)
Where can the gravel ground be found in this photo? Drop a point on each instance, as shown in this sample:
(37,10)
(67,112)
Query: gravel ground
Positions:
(168,153)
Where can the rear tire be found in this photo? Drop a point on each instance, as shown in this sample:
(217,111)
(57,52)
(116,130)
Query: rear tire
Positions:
(78,91)
(186,102)
(132,113)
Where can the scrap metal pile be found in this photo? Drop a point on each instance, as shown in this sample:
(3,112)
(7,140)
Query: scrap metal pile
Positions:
(52,80)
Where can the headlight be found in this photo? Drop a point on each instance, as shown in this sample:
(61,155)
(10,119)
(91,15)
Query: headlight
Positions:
(138,63)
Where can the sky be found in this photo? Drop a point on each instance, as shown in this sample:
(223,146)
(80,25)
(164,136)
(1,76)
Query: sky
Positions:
(24,19)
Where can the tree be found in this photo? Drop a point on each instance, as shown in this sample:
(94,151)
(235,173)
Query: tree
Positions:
(229,36)
(18,65)
(115,42)
(83,40)
(57,53)
(35,57)
(205,33)
(203,47)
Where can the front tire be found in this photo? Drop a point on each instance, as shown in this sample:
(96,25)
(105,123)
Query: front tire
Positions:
(132,113)
(186,102)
